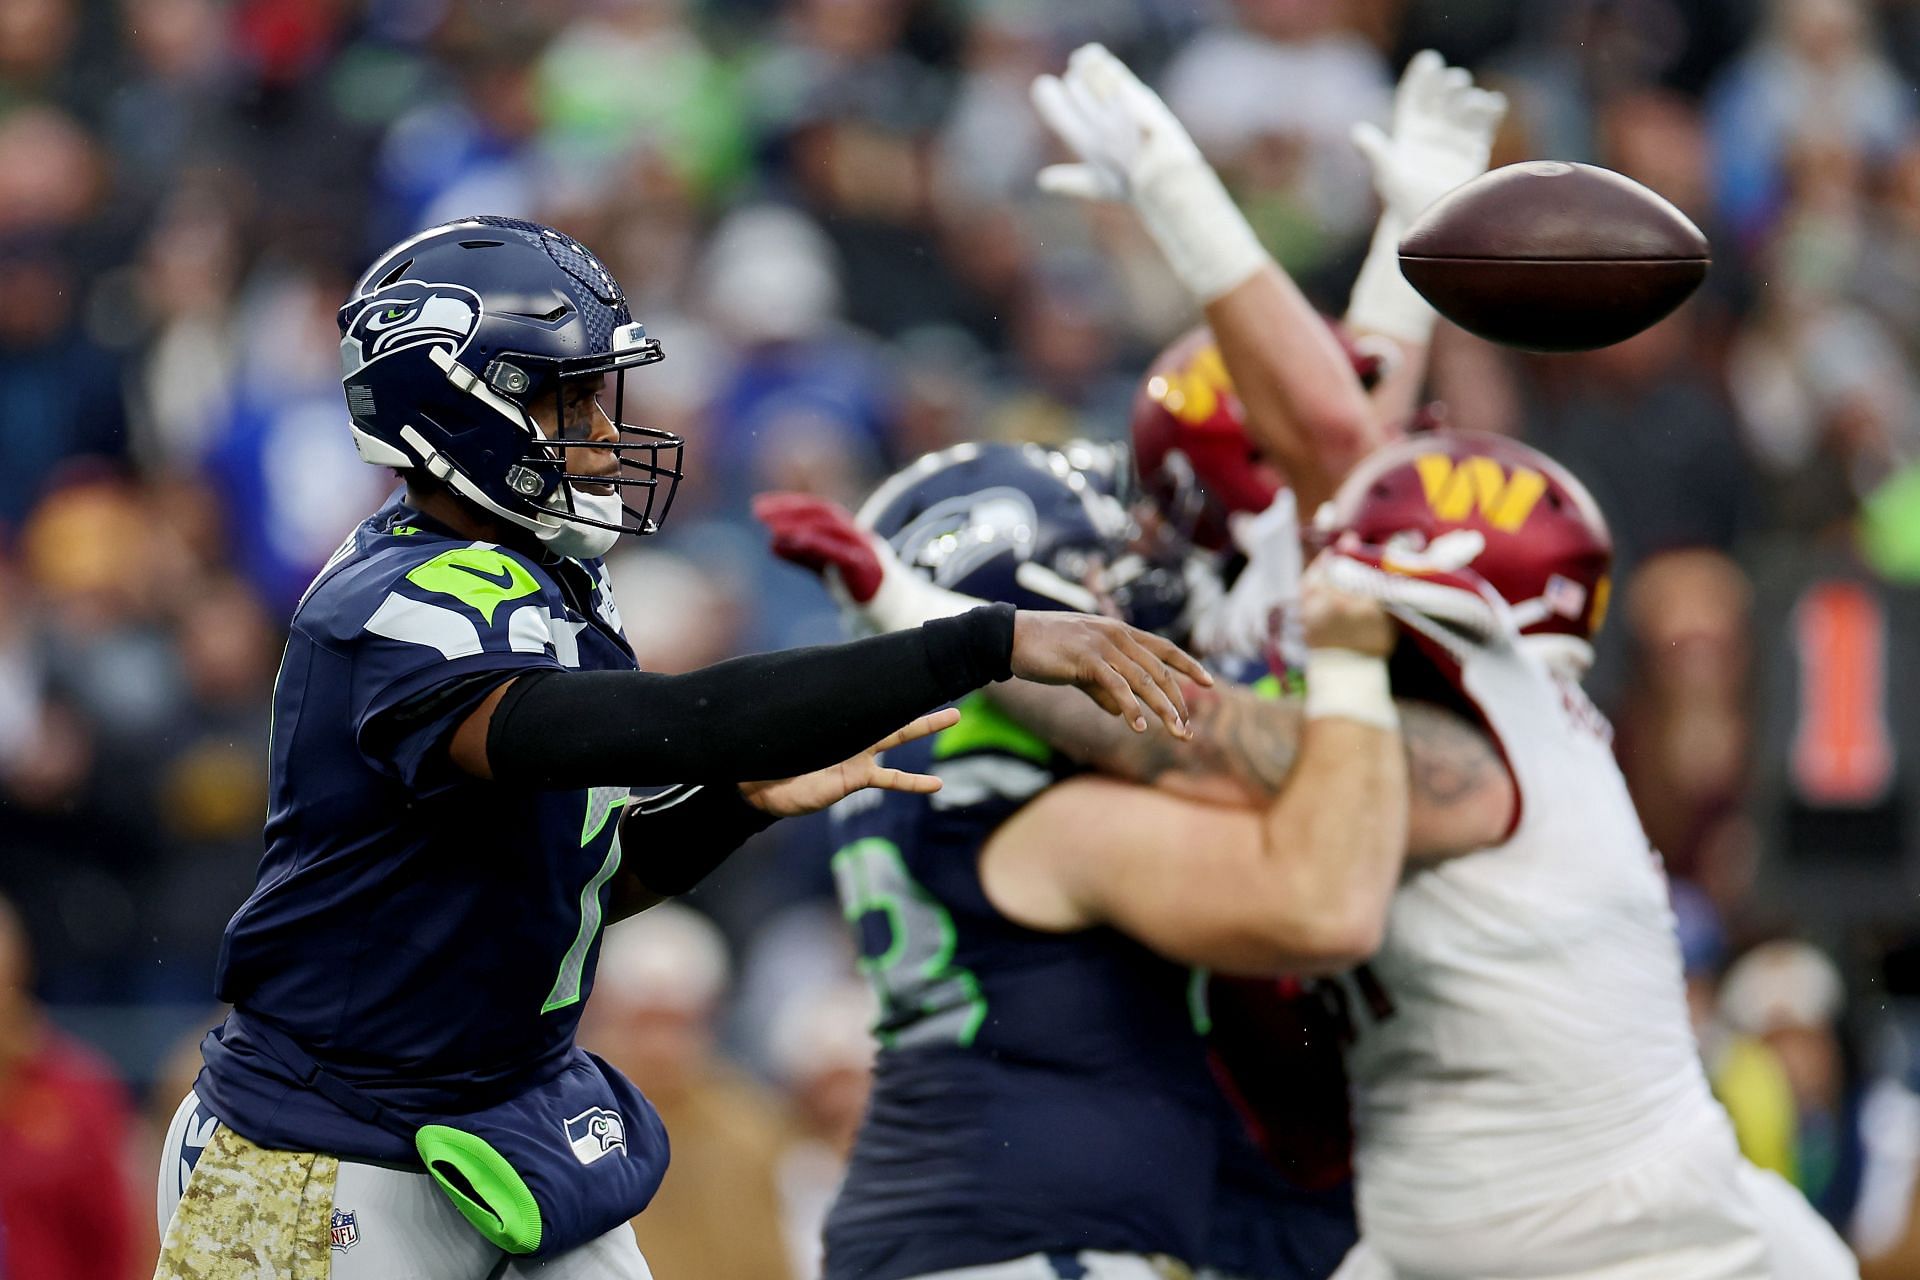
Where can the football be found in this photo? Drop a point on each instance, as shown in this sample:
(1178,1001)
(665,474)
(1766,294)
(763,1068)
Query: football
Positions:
(1550,256)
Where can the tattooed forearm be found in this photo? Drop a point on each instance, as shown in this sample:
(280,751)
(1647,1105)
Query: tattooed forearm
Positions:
(1241,737)
(1237,736)
(1460,794)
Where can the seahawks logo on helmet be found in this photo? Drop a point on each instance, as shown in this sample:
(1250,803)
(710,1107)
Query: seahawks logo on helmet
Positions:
(406,314)
(957,535)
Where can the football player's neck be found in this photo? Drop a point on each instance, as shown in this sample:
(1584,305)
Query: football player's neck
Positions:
(464,518)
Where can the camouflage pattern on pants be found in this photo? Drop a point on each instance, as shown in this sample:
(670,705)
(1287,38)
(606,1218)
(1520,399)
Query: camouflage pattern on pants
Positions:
(252,1214)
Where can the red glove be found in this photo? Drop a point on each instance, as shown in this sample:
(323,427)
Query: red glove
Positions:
(820,536)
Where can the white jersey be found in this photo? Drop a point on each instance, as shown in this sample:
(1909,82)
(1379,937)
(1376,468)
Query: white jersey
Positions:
(1537,1041)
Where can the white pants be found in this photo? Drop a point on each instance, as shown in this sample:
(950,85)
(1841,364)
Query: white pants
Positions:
(1698,1212)
(386,1224)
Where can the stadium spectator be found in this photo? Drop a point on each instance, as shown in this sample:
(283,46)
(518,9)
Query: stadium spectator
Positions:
(1816,71)
(1684,728)
(1788,996)
(821,1047)
(66,1190)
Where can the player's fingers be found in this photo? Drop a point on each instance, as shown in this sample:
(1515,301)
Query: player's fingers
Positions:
(1176,657)
(1078,181)
(1069,115)
(1484,108)
(934,722)
(900,780)
(1050,100)
(1089,57)
(815,548)
(1149,693)
(834,540)
(1422,67)
(766,505)
(1453,79)
(1111,81)
(1109,688)
(1159,672)
(1371,141)
(1095,111)
(781,501)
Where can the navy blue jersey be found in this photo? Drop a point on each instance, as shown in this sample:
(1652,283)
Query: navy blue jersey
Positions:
(1034,1092)
(428,937)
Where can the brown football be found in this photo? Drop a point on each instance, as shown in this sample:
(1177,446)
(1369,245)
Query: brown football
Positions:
(1550,256)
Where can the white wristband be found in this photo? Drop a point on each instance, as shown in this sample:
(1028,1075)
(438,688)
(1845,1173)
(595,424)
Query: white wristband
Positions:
(1201,232)
(905,600)
(1382,300)
(1351,686)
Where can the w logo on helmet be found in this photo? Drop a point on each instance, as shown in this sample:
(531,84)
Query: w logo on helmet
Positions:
(1455,487)
(409,313)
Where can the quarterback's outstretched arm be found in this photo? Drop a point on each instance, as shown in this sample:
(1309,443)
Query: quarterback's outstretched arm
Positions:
(777,735)
(1300,884)
(775,715)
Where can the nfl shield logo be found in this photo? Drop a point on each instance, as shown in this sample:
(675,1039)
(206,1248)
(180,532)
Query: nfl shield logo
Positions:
(346,1231)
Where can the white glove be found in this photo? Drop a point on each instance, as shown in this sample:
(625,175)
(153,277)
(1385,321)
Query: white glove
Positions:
(1132,148)
(1442,136)
(1258,612)
(903,601)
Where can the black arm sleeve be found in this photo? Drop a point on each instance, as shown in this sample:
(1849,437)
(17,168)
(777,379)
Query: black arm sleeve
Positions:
(672,840)
(771,715)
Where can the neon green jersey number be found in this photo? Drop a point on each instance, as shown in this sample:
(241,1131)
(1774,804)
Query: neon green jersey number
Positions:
(924,997)
(602,802)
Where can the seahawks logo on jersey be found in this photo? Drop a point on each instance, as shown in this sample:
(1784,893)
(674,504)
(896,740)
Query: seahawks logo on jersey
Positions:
(406,314)
(595,1132)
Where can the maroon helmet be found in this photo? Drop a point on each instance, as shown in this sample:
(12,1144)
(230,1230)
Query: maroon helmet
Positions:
(1190,443)
(1547,550)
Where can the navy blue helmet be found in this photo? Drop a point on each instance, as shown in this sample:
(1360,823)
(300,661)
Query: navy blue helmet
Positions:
(1021,524)
(455,335)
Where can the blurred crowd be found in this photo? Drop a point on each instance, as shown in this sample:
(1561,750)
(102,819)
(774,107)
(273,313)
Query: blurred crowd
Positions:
(825,210)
